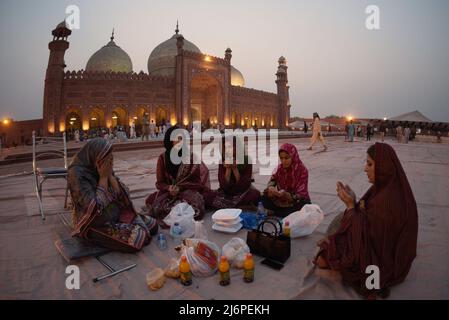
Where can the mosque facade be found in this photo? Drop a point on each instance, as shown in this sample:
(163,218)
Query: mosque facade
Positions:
(182,85)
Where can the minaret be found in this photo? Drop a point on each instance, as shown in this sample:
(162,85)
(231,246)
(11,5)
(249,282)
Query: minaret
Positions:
(227,111)
(283,94)
(53,115)
(181,108)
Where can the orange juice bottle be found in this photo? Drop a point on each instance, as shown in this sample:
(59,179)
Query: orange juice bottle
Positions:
(223,268)
(185,273)
(248,268)
(287,229)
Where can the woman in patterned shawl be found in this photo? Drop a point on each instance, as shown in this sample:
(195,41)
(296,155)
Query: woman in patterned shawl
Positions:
(103,211)
(287,190)
(176,183)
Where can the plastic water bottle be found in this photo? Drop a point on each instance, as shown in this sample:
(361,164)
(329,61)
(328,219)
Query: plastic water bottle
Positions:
(261,213)
(162,241)
(176,232)
(177,229)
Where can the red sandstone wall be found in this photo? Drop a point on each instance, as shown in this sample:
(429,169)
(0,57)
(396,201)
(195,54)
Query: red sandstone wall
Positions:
(134,93)
(19,132)
(254,104)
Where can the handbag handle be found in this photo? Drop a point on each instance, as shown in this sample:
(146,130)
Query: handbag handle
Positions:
(270,221)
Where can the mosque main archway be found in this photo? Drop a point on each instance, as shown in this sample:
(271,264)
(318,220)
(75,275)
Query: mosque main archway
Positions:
(206,100)
(73,121)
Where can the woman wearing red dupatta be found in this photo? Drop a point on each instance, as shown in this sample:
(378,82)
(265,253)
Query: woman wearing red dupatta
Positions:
(177,183)
(381,229)
(287,190)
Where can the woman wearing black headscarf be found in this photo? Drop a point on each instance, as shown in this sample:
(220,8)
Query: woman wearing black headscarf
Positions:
(103,211)
(176,183)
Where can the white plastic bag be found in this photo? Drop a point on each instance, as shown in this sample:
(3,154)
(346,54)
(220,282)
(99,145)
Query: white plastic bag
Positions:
(200,230)
(185,228)
(302,223)
(235,251)
(181,210)
(202,255)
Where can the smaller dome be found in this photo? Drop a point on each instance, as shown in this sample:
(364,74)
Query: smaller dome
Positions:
(237,77)
(110,58)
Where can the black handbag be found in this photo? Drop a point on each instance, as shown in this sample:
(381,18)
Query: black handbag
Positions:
(274,246)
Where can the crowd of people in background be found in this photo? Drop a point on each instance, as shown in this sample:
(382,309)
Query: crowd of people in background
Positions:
(145,131)
(403,134)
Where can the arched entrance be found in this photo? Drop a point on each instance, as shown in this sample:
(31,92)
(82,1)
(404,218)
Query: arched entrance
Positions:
(246,120)
(138,118)
(234,120)
(161,116)
(73,121)
(273,122)
(119,117)
(206,100)
(96,119)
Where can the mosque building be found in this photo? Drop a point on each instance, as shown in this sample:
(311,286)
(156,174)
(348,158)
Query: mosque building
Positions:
(182,85)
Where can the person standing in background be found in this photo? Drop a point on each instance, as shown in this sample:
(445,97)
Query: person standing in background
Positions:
(351,131)
(132,130)
(152,129)
(317,134)
(406,134)
(145,128)
(347,131)
(368,132)
(398,133)
(382,130)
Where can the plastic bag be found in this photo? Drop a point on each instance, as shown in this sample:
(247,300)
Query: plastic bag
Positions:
(200,230)
(182,228)
(182,214)
(181,210)
(202,255)
(235,251)
(302,223)
(155,279)
(172,269)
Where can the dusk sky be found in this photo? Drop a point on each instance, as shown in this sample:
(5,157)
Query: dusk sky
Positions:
(335,64)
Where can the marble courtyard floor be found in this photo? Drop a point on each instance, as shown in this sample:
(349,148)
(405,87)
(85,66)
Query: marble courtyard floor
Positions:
(31,267)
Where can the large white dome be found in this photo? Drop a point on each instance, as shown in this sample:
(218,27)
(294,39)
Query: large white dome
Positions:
(162,60)
(110,58)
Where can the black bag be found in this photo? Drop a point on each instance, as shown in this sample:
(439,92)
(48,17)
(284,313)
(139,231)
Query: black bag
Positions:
(274,246)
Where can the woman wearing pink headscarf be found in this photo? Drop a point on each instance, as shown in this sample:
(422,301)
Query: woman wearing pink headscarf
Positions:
(287,190)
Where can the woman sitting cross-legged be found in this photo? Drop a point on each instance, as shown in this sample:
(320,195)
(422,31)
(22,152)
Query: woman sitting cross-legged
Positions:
(287,189)
(176,183)
(103,212)
(236,190)
(380,230)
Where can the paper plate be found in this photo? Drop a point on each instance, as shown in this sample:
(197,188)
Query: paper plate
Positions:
(227,229)
(226,214)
